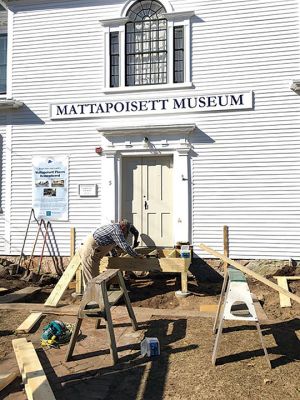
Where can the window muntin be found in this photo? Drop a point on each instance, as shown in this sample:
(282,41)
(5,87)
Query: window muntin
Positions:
(146,52)
(3,49)
(145,9)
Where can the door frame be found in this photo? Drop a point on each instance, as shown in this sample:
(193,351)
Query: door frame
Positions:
(162,140)
(129,156)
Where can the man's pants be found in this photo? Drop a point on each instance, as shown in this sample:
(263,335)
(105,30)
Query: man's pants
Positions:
(91,254)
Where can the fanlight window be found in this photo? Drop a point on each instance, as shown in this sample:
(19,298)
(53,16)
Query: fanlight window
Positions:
(153,48)
(146,44)
(143,10)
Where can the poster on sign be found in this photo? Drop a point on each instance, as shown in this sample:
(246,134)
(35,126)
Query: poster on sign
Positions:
(50,187)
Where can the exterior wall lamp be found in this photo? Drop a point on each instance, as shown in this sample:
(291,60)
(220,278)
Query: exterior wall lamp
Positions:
(146,142)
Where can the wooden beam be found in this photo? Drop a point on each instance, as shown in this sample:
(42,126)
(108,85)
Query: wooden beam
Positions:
(35,381)
(146,264)
(64,281)
(79,283)
(173,253)
(249,272)
(290,278)
(6,379)
(36,307)
(20,294)
(29,322)
(210,308)
(72,242)
(283,300)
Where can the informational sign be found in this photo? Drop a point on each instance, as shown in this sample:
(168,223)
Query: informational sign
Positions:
(158,105)
(50,187)
(87,190)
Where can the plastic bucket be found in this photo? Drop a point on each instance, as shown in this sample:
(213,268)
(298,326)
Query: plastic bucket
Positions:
(150,347)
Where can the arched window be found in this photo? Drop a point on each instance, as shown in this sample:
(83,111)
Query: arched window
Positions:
(146,44)
(149,45)
(3,49)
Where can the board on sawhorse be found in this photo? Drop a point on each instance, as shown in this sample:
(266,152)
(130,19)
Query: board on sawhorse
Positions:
(96,303)
(235,290)
(64,281)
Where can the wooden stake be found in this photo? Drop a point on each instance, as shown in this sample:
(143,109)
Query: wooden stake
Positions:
(249,272)
(72,242)
(226,245)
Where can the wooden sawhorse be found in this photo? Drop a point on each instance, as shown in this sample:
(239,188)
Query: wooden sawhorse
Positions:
(235,289)
(96,302)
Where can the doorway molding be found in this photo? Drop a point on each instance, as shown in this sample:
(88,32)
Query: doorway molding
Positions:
(129,141)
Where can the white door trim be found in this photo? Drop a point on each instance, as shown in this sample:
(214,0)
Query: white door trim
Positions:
(176,145)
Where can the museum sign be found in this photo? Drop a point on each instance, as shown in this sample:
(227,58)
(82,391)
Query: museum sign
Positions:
(157,105)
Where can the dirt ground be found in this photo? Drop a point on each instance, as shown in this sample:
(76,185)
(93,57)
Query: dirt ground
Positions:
(184,369)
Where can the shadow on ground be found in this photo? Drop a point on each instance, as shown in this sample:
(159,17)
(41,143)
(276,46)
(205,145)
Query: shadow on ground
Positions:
(134,377)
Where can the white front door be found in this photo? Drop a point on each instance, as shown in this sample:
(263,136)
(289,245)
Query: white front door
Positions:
(147,188)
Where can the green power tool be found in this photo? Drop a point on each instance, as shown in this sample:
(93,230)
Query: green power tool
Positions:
(55,333)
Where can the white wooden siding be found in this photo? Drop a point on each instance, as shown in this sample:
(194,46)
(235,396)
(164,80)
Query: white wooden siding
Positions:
(246,165)
(2,181)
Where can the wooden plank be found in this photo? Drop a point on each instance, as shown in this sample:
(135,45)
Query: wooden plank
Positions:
(29,322)
(36,307)
(20,294)
(290,278)
(283,300)
(6,379)
(72,285)
(249,272)
(64,281)
(35,381)
(260,312)
(147,264)
(211,308)
(79,282)
(173,253)
(72,242)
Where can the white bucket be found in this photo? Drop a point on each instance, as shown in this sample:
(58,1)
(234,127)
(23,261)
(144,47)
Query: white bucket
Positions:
(185,251)
(150,347)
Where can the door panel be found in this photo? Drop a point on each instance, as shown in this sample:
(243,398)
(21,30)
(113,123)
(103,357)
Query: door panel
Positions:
(147,197)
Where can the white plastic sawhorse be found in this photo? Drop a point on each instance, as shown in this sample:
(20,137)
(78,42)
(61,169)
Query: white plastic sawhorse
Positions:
(235,289)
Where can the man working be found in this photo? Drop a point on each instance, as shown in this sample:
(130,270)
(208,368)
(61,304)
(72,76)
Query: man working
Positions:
(102,241)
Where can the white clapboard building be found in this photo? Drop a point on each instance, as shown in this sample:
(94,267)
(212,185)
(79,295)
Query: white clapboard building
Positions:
(181,115)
